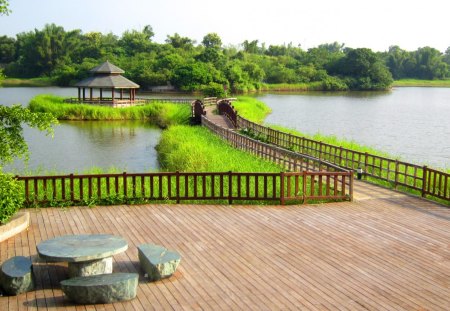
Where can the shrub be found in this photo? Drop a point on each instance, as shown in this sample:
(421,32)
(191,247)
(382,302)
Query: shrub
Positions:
(11,197)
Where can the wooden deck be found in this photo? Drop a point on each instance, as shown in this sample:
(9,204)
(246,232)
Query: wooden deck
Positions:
(385,251)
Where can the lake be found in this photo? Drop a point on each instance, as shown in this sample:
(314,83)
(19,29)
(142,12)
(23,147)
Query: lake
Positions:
(413,123)
(410,122)
(78,146)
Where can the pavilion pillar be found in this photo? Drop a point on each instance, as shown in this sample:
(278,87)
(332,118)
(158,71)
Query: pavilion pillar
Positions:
(121,94)
(101,94)
(90,94)
(84,94)
(112,95)
(79,94)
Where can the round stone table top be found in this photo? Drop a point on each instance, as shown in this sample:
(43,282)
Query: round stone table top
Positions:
(81,247)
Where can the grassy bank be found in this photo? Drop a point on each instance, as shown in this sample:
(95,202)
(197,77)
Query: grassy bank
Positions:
(422,83)
(293,87)
(34,82)
(160,114)
(196,149)
(251,108)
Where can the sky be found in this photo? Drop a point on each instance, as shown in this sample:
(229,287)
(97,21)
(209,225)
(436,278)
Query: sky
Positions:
(356,23)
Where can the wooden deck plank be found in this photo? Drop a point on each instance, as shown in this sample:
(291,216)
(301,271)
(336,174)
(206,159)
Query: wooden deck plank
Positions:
(385,251)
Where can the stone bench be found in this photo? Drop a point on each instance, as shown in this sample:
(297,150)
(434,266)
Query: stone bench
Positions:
(16,275)
(102,288)
(158,262)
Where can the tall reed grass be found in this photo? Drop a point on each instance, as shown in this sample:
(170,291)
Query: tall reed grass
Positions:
(160,114)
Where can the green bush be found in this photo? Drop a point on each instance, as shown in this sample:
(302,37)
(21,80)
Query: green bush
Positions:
(214,90)
(11,197)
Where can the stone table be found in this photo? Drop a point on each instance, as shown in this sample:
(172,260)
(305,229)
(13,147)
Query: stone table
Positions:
(86,254)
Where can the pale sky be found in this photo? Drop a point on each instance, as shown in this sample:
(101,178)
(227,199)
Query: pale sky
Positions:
(375,24)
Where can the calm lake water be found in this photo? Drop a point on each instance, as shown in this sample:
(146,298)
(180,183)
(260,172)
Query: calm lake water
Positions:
(79,146)
(412,123)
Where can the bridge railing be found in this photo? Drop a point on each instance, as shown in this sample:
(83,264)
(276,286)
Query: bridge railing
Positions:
(177,186)
(421,179)
(340,179)
(225,108)
(198,110)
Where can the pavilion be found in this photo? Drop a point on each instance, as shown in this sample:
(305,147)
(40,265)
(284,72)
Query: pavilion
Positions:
(107,77)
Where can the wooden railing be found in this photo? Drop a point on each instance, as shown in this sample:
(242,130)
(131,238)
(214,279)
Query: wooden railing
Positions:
(136,101)
(177,186)
(423,180)
(289,160)
(225,108)
(198,110)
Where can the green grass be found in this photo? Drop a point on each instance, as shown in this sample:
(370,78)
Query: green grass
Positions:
(293,87)
(34,82)
(422,83)
(160,114)
(196,149)
(251,109)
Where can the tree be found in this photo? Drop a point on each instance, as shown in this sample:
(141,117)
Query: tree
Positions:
(363,70)
(212,40)
(430,64)
(180,42)
(14,145)
(11,130)
(4,7)
(7,49)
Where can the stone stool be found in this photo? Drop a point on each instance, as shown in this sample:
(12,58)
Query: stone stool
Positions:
(157,261)
(16,275)
(101,288)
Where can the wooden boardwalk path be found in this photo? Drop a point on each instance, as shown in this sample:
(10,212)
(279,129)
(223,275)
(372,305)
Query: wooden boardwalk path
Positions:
(385,251)
(220,120)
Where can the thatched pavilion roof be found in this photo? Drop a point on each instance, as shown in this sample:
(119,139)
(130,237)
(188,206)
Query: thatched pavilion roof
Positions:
(107,82)
(108,68)
(107,76)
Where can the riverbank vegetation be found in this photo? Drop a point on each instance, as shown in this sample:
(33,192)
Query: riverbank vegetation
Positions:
(422,83)
(160,114)
(23,82)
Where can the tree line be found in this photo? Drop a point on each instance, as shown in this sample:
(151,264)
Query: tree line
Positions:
(67,56)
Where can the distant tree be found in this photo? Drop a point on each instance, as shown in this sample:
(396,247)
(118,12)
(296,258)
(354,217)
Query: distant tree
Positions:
(251,47)
(134,41)
(430,64)
(7,49)
(363,70)
(180,42)
(212,40)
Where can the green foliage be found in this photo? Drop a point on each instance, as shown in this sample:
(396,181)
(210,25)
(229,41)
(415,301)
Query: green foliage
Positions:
(425,63)
(362,69)
(67,56)
(214,90)
(160,114)
(11,196)
(11,130)
(4,7)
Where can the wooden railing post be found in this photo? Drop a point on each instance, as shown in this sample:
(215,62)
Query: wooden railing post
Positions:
(230,189)
(395,174)
(125,190)
(351,186)
(304,187)
(424,180)
(282,188)
(177,186)
(72,195)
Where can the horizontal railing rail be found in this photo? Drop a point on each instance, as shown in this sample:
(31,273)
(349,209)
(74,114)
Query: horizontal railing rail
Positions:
(140,100)
(423,180)
(186,186)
